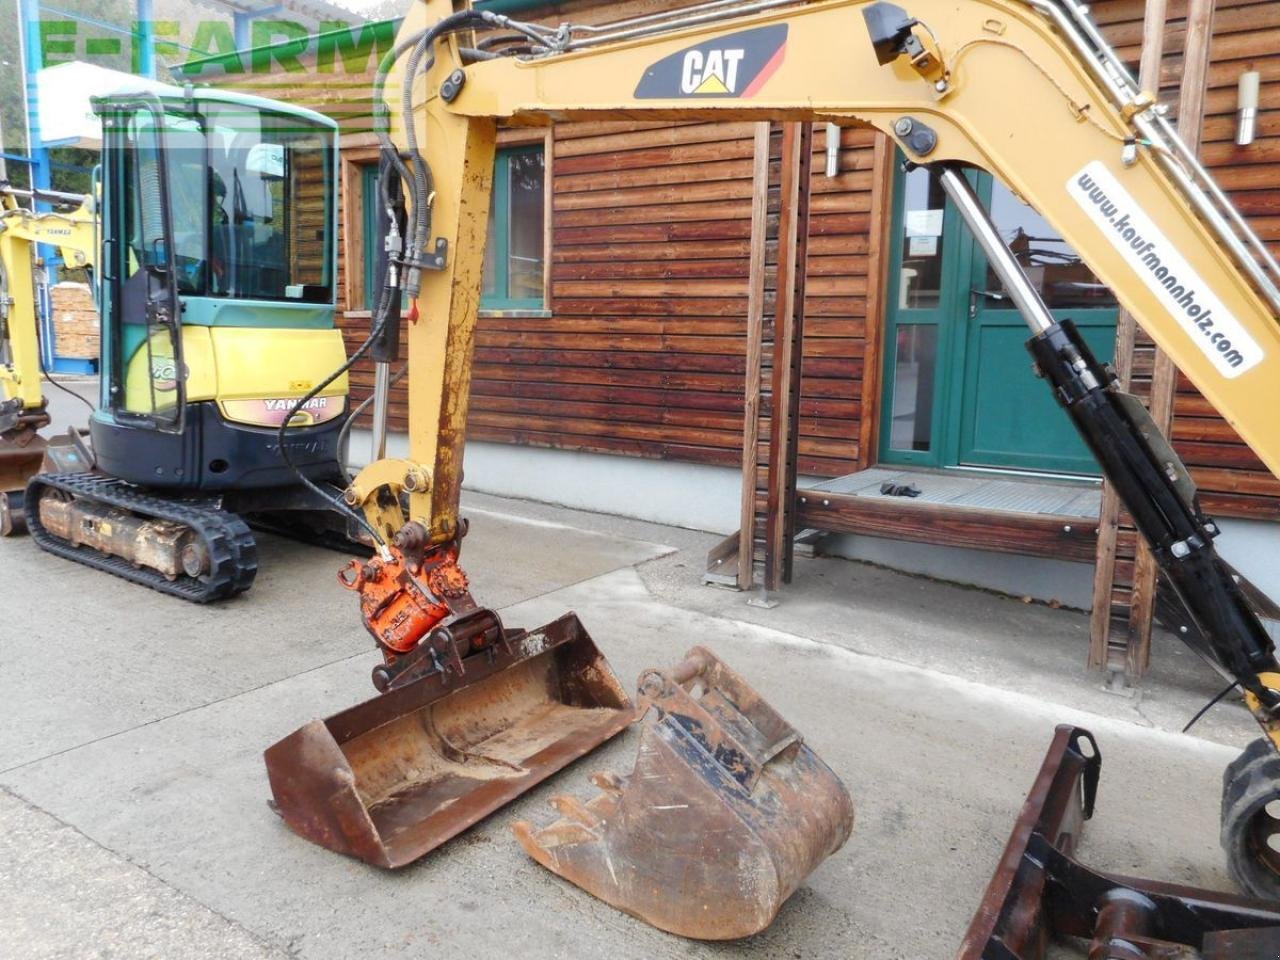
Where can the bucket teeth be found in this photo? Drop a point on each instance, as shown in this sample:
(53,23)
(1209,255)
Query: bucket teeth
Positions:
(725,814)
(571,808)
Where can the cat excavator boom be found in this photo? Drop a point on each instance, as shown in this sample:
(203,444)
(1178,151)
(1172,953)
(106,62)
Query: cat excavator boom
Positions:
(1026,89)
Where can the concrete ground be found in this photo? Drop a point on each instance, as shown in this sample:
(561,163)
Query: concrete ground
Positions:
(133,816)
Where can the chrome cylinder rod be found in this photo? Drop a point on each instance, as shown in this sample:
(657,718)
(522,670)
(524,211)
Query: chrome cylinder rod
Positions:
(1025,297)
(381,398)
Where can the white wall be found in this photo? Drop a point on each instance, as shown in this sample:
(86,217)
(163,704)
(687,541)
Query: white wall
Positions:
(1071,584)
(1253,548)
(690,495)
(707,498)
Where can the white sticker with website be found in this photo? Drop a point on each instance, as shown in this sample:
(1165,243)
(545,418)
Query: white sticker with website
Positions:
(1163,269)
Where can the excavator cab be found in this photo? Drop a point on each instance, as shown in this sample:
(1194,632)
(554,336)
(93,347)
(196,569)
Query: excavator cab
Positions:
(217,291)
(223,390)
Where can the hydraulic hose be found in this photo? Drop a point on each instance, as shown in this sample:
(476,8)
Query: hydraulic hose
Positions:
(417,174)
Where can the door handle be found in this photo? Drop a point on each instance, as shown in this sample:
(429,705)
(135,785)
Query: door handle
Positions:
(975,293)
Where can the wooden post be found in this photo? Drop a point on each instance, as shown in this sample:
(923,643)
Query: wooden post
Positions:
(755,340)
(1142,601)
(1153,27)
(877,285)
(1164,378)
(793,237)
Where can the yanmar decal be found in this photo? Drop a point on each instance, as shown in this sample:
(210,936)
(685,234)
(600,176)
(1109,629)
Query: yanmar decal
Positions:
(736,65)
(272,412)
(164,373)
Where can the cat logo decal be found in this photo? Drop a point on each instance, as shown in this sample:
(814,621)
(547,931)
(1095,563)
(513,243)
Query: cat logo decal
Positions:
(736,66)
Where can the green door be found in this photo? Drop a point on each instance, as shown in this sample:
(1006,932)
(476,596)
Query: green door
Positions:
(959,386)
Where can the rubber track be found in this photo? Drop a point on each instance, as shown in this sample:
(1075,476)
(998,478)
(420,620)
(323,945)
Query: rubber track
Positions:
(233,555)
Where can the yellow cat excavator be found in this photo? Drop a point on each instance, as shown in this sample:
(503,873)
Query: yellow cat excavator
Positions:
(1026,89)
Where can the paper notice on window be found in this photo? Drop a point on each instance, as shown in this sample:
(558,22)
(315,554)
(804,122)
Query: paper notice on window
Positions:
(922,246)
(924,223)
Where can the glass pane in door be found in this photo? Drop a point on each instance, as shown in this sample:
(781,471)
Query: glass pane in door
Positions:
(914,378)
(924,204)
(1055,270)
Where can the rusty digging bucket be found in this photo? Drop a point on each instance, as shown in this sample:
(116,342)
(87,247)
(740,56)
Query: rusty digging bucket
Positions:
(394,777)
(23,454)
(18,464)
(725,814)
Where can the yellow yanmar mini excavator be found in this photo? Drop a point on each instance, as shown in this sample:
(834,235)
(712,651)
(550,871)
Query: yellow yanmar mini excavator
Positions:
(213,257)
(1026,89)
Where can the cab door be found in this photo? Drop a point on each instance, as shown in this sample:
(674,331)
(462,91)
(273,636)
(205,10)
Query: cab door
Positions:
(145,375)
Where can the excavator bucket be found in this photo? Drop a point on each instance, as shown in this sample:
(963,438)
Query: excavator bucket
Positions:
(725,814)
(18,464)
(22,456)
(394,777)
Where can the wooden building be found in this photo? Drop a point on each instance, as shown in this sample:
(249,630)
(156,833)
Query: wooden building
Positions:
(787,302)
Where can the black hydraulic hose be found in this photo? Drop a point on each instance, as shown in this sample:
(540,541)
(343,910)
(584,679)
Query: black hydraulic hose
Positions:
(333,500)
(386,302)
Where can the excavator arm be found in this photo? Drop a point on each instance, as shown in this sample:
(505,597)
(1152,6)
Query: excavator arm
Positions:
(22,404)
(1025,89)
(1079,142)
(74,234)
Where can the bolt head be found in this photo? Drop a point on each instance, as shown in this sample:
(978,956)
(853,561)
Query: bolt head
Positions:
(902,126)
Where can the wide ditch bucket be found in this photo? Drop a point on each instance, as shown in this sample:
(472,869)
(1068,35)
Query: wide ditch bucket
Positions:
(725,814)
(394,777)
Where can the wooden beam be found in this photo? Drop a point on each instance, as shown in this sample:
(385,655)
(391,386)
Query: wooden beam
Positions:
(793,236)
(1100,624)
(755,340)
(898,518)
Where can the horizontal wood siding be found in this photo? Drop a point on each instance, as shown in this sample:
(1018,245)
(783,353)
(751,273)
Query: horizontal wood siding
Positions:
(835,329)
(644,352)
